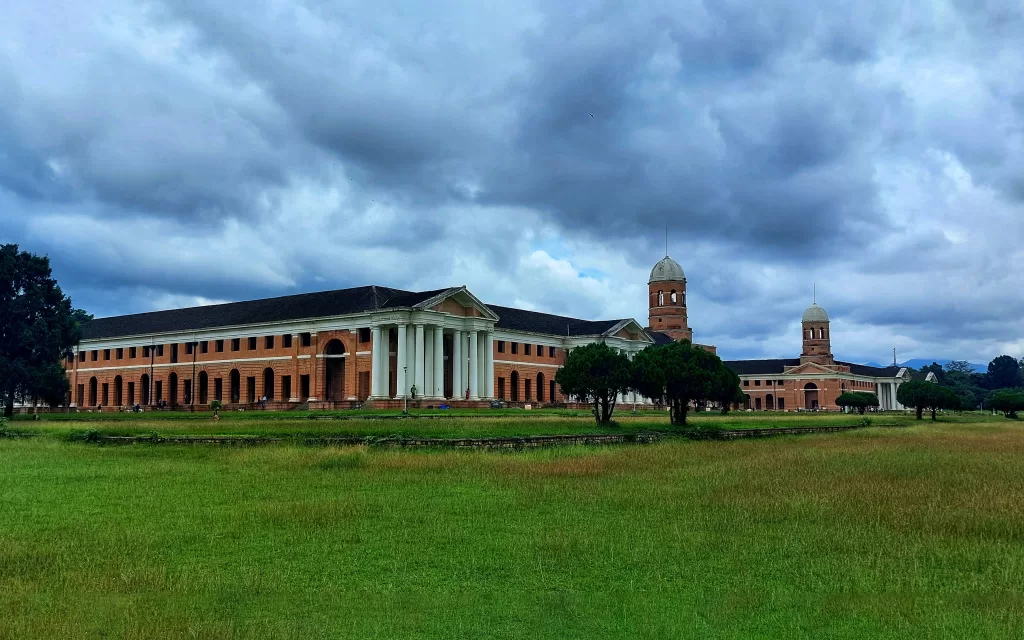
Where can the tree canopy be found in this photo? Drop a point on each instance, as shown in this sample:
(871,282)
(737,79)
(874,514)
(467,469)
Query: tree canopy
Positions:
(595,373)
(859,400)
(37,331)
(1004,373)
(927,395)
(1009,401)
(679,374)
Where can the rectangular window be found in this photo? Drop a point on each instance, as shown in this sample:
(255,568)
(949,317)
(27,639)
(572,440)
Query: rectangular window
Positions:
(132,352)
(94,355)
(364,334)
(551,352)
(71,358)
(145,352)
(159,390)
(526,349)
(305,339)
(304,387)
(204,346)
(540,350)
(780,382)
(268,342)
(188,348)
(131,393)
(106,395)
(501,346)
(286,341)
(174,358)
(119,353)
(782,404)
(236,344)
(252,344)
(218,346)
(218,389)
(501,388)
(746,383)
(515,347)
(81,356)
(250,389)
(286,388)
(757,383)
(159,350)
(106,355)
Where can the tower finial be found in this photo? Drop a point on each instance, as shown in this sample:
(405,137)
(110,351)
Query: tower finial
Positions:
(814,293)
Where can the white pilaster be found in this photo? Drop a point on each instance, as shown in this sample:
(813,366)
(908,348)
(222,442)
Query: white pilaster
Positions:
(419,360)
(385,362)
(474,365)
(428,362)
(439,361)
(458,388)
(410,356)
(489,374)
(401,360)
(892,390)
(375,347)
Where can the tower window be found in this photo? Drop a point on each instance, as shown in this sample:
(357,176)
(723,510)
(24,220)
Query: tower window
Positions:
(661,298)
(672,297)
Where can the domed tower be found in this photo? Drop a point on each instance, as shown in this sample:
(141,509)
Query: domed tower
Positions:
(817,340)
(667,300)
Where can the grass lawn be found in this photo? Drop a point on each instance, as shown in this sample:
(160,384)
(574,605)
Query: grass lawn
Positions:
(901,533)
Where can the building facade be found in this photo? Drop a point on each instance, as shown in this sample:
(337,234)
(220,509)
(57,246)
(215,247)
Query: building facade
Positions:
(337,349)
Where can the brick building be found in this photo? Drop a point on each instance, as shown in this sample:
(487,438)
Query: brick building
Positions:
(334,349)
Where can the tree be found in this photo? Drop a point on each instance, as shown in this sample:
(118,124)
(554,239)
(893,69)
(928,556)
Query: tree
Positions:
(959,366)
(859,400)
(38,330)
(596,373)
(926,395)
(1009,401)
(1004,373)
(729,390)
(935,368)
(679,374)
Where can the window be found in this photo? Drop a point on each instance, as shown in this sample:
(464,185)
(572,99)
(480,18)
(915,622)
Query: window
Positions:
(81,356)
(781,404)
(551,352)
(780,382)
(218,346)
(305,339)
(515,347)
(252,344)
(174,358)
(106,394)
(159,390)
(501,388)
(268,342)
(286,388)
(304,387)
(286,341)
(501,346)
(218,388)
(204,346)
(106,355)
(132,352)
(146,351)
(159,350)
(526,350)
(364,334)
(526,389)
(71,358)
(746,383)
(672,296)
(757,383)
(540,350)
(119,353)
(188,348)
(236,344)
(94,355)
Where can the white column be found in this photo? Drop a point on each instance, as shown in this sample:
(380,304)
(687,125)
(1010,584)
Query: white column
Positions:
(439,362)
(419,360)
(385,362)
(474,365)
(892,390)
(375,363)
(428,363)
(401,388)
(489,374)
(410,356)
(458,388)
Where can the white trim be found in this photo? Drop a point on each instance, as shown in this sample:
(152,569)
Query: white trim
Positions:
(304,356)
(364,353)
(332,355)
(528,364)
(187,365)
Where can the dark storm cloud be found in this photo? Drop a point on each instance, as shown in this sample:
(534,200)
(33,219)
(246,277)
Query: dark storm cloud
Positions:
(262,147)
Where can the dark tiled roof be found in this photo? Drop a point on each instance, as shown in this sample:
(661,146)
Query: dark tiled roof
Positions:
(778,365)
(752,367)
(661,338)
(535,322)
(304,305)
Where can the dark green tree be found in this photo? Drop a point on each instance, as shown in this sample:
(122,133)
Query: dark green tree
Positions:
(935,368)
(959,366)
(918,394)
(729,390)
(1009,401)
(38,329)
(595,373)
(1004,373)
(679,374)
(859,400)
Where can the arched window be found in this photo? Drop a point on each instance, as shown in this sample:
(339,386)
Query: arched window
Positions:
(821,333)
(769,402)
(672,296)
(661,298)
(334,370)
(268,383)
(810,396)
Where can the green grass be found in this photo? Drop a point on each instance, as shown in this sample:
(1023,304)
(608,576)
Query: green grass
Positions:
(900,533)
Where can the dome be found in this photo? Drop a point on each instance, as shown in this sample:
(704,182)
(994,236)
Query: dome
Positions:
(667,270)
(815,313)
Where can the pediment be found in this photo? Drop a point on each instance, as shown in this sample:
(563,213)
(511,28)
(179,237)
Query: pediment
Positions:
(458,301)
(809,368)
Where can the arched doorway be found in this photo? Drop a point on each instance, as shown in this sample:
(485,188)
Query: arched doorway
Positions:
(540,387)
(757,404)
(268,384)
(234,387)
(334,374)
(514,396)
(769,402)
(810,396)
(118,385)
(172,388)
(145,388)
(92,392)
(746,402)
(204,382)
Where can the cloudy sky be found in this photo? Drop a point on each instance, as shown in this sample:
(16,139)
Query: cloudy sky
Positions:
(170,154)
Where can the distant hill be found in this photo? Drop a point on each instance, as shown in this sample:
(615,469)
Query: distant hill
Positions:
(917,363)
